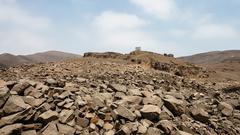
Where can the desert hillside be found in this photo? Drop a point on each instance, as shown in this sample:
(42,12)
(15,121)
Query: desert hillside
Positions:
(117,94)
(226,64)
(7,60)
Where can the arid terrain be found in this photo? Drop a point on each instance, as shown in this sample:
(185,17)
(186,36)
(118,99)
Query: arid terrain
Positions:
(226,64)
(120,94)
(8,60)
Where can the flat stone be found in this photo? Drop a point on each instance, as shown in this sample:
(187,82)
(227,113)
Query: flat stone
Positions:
(15,104)
(4,94)
(51,129)
(176,106)
(66,115)
(225,108)
(82,122)
(29,132)
(33,101)
(48,116)
(11,129)
(107,126)
(118,87)
(166,126)
(10,119)
(20,87)
(200,114)
(65,129)
(151,112)
(153,131)
(125,113)
(124,131)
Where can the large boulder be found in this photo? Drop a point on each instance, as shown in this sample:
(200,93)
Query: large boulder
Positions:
(200,114)
(15,104)
(176,106)
(125,113)
(225,108)
(151,112)
(14,129)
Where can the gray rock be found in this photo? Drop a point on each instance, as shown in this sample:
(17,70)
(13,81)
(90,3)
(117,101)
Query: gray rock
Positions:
(4,94)
(82,122)
(125,113)
(11,129)
(20,87)
(29,132)
(176,106)
(124,131)
(200,114)
(118,87)
(225,108)
(151,112)
(153,131)
(48,116)
(15,104)
(51,129)
(66,116)
(166,126)
(65,129)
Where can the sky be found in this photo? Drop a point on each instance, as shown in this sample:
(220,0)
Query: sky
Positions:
(181,27)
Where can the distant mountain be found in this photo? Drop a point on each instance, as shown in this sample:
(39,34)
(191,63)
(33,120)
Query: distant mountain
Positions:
(7,60)
(225,63)
(213,57)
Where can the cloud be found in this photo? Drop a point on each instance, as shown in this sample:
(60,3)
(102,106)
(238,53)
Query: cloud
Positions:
(21,32)
(12,14)
(215,31)
(162,9)
(112,20)
(122,32)
(21,41)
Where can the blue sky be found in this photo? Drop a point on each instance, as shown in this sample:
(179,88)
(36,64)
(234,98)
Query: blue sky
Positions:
(181,27)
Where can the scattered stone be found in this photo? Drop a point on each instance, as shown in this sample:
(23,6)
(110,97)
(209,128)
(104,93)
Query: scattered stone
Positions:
(151,112)
(51,129)
(153,131)
(166,126)
(118,87)
(48,116)
(200,114)
(66,116)
(125,113)
(65,129)
(29,132)
(11,129)
(82,122)
(176,106)
(15,104)
(225,108)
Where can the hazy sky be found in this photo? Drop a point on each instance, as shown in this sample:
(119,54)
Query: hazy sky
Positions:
(182,27)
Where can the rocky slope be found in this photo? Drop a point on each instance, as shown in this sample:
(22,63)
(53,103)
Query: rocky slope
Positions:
(226,64)
(7,60)
(108,96)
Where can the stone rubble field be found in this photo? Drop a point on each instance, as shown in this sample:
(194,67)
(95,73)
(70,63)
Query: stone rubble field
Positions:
(105,97)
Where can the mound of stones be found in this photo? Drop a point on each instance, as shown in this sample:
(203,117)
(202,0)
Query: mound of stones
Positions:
(113,108)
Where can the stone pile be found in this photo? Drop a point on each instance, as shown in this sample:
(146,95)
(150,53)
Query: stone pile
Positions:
(106,107)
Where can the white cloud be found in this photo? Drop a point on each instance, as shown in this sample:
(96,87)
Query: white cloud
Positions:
(112,20)
(12,14)
(122,32)
(163,9)
(22,42)
(214,31)
(21,32)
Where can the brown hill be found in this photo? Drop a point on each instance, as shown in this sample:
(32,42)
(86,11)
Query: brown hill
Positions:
(226,64)
(213,57)
(7,60)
